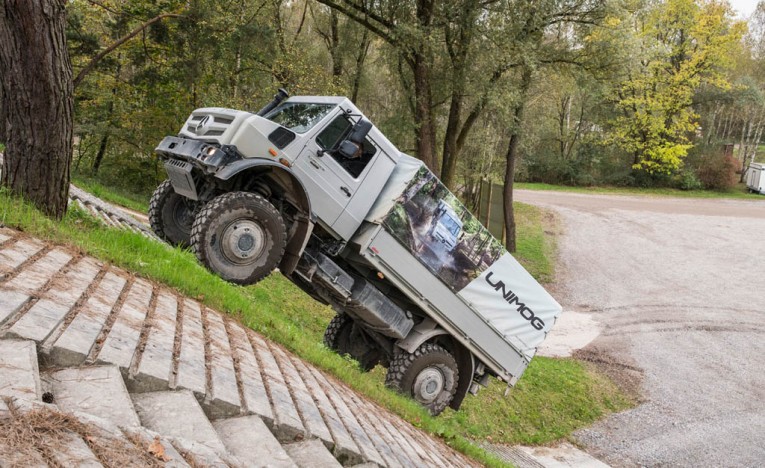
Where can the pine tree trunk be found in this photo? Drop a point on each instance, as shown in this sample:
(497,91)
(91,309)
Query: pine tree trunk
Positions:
(37,102)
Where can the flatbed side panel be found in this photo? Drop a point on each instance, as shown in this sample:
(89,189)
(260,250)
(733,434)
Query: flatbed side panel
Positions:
(477,334)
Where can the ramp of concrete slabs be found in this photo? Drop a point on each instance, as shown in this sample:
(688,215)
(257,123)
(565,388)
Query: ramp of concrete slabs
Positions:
(79,312)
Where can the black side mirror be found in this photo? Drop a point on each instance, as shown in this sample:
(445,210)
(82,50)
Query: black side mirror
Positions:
(351,145)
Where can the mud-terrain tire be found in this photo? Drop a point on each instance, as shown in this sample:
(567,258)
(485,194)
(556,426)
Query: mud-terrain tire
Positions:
(171,215)
(429,375)
(240,236)
(339,337)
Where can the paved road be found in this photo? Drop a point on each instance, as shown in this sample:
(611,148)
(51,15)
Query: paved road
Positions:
(678,286)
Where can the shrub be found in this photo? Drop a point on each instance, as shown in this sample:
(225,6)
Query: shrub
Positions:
(717,172)
(687,180)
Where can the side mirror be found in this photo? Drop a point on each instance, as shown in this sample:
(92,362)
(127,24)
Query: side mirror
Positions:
(351,145)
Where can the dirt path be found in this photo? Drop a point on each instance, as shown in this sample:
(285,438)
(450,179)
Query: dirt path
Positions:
(676,286)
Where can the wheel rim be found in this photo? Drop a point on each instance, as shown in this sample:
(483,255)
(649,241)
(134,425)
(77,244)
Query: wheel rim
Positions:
(428,385)
(243,241)
(183,216)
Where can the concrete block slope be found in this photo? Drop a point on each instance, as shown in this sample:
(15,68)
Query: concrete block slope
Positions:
(177,414)
(19,371)
(251,442)
(186,365)
(99,391)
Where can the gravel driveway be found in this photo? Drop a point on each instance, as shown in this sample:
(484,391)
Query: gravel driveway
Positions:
(678,288)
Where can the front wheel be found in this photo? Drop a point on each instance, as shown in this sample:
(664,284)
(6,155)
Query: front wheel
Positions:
(240,236)
(171,215)
(429,375)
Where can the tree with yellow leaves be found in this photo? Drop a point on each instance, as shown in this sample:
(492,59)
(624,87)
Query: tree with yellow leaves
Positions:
(673,48)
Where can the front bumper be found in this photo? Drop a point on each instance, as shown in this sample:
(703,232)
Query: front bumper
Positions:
(186,160)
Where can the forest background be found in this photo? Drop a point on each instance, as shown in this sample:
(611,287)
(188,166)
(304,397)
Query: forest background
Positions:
(639,93)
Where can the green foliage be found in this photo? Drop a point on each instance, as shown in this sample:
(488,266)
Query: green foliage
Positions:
(680,46)
(687,180)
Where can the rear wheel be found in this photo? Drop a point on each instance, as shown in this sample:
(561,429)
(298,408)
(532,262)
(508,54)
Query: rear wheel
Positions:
(171,215)
(240,236)
(344,336)
(429,375)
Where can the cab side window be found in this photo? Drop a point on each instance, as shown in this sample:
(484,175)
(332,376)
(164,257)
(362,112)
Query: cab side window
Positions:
(329,139)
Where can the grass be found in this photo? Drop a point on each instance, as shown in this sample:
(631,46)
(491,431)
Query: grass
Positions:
(553,398)
(739,191)
(133,201)
(535,241)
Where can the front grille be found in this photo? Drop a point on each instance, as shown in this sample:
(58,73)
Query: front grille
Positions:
(208,125)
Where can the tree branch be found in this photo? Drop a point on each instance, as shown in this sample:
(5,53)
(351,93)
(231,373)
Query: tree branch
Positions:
(364,20)
(89,67)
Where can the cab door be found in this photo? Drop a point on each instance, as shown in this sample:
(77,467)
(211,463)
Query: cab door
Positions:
(326,176)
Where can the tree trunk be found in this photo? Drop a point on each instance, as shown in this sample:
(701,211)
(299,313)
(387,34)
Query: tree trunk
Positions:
(38,104)
(510,157)
(100,154)
(423,114)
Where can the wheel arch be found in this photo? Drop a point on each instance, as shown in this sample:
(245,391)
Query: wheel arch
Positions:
(283,179)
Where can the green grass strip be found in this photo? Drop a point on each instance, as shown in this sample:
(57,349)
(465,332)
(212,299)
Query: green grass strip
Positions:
(739,191)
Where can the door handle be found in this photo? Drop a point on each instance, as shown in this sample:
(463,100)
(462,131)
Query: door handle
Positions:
(315,164)
(346,191)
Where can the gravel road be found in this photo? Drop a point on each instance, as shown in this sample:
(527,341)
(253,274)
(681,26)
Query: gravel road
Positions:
(678,289)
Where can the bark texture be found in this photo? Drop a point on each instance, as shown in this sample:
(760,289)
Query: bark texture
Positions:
(37,102)
(512,155)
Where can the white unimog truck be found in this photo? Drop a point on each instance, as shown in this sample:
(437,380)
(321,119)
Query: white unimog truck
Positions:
(310,186)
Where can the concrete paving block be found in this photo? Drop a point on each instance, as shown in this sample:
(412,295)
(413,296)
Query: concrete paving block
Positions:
(309,412)
(423,443)
(36,275)
(371,426)
(223,399)
(10,303)
(386,445)
(6,234)
(199,454)
(68,289)
(48,313)
(251,442)
(287,424)
(122,340)
(177,414)
(191,362)
(149,439)
(156,364)
(345,449)
(73,451)
(254,390)
(14,255)
(412,451)
(311,454)
(19,372)
(75,343)
(361,438)
(99,391)
(39,321)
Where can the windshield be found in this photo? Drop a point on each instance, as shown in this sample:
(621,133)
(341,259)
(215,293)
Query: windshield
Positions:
(451,225)
(299,116)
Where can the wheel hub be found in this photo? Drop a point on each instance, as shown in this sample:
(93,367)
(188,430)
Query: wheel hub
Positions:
(183,215)
(243,241)
(428,384)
